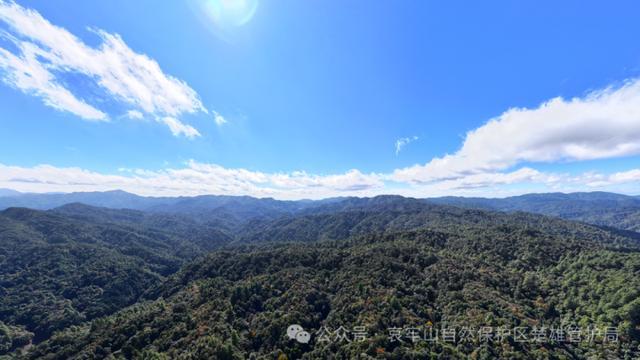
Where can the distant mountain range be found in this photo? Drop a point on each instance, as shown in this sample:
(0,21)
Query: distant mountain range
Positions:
(9,192)
(598,208)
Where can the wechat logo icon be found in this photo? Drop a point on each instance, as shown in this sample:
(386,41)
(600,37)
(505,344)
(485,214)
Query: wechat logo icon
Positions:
(297,333)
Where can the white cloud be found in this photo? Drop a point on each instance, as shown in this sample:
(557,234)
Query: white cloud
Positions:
(178,128)
(193,179)
(486,180)
(45,51)
(601,180)
(27,74)
(135,114)
(402,142)
(352,180)
(197,178)
(625,177)
(219,119)
(603,124)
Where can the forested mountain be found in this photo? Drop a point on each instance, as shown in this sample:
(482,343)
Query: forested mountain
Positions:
(498,271)
(207,234)
(80,281)
(599,208)
(231,212)
(57,271)
(382,214)
(111,199)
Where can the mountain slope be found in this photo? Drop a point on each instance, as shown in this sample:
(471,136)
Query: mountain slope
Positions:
(9,192)
(205,234)
(488,269)
(384,214)
(599,208)
(111,199)
(57,271)
(227,212)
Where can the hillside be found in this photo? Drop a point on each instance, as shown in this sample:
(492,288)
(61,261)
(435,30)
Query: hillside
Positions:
(234,304)
(206,234)
(384,214)
(228,212)
(442,265)
(599,208)
(56,271)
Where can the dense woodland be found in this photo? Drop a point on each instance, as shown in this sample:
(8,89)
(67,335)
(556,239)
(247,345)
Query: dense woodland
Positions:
(223,278)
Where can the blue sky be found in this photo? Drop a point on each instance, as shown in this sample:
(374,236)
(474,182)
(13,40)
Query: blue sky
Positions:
(296,99)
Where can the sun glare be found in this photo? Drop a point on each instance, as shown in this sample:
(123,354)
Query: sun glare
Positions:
(228,14)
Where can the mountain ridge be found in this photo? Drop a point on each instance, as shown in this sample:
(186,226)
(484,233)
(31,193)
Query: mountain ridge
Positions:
(598,208)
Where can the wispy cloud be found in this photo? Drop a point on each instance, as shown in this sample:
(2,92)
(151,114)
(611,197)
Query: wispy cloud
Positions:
(178,128)
(402,142)
(597,180)
(193,179)
(44,52)
(28,74)
(219,119)
(135,114)
(196,178)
